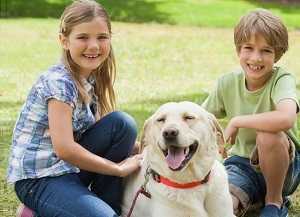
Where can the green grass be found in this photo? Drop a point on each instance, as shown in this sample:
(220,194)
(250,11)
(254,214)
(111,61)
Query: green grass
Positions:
(156,64)
(217,13)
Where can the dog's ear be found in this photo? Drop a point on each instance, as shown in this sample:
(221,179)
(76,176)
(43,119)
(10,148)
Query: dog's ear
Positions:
(219,134)
(143,135)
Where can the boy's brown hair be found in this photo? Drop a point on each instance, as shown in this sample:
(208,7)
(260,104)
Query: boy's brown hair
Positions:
(264,23)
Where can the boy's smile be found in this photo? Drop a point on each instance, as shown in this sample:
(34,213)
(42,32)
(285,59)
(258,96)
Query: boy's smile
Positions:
(257,58)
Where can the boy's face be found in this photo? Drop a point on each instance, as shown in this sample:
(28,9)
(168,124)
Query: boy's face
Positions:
(257,59)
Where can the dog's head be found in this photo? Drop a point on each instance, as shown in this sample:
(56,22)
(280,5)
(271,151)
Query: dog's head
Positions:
(182,140)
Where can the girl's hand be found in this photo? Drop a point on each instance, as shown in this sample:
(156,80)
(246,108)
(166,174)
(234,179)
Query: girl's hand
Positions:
(130,165)
(231,132)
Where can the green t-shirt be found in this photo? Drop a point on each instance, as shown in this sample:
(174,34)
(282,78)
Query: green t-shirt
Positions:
(231,98)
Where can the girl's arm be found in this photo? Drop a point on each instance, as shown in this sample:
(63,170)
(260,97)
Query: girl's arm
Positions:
(282,119)
(60,124)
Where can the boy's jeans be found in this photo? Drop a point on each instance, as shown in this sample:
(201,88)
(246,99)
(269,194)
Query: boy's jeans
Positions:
(249,185)
(68,195)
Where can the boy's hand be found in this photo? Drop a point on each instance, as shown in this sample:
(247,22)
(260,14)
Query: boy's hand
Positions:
(231,132)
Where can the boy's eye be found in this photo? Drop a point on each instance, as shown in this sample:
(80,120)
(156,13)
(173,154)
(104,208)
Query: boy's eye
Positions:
(267,51)
(247,47)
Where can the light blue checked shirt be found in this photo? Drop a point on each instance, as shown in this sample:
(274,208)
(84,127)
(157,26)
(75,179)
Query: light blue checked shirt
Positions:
(32,154)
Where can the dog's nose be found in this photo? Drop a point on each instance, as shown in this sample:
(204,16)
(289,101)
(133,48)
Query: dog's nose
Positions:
(170,133)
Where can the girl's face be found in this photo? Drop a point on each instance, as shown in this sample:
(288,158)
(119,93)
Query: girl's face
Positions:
(257,59)
(88,44)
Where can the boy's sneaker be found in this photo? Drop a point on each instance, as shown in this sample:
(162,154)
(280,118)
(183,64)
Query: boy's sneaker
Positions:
(271,210)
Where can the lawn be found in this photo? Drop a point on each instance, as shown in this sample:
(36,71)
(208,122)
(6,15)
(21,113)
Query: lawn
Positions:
(156,62)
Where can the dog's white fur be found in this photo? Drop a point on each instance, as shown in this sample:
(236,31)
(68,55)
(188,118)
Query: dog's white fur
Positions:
(208,200)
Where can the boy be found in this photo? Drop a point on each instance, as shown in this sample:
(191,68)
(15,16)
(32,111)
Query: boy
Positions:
(261,104)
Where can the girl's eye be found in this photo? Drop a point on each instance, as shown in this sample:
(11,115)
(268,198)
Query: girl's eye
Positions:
(102,38)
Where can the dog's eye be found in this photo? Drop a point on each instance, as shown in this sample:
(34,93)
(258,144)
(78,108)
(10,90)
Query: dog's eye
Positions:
(161,119)
(189,117)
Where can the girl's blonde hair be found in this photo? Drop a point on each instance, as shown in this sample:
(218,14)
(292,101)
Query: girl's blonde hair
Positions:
(262,22)
(81,11)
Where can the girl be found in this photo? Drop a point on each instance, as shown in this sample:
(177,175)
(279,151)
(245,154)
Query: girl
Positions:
(69,147)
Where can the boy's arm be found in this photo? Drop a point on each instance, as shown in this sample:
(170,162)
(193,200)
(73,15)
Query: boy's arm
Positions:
(282,119)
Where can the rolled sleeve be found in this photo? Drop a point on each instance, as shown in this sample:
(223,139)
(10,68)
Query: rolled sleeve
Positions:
(61,89)
(285,88)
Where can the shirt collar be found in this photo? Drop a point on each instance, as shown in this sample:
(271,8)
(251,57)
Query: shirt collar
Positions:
(88,83)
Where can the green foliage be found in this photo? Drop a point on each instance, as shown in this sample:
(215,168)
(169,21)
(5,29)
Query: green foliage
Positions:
(213,13)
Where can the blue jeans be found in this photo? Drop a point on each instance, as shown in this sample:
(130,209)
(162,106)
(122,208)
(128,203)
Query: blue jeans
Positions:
(85,194)
(243,176)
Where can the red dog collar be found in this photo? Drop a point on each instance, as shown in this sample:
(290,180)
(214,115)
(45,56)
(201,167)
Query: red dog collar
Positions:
(160,179)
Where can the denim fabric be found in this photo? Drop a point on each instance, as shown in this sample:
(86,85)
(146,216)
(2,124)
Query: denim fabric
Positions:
(85,194)
(273,211)
(243,176)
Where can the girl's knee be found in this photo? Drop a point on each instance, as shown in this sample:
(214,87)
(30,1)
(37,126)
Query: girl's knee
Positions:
(125,122)
(124,133)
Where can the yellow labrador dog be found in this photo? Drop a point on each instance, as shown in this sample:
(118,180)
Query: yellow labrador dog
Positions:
(180,169)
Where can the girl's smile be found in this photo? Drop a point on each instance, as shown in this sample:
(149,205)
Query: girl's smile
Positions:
(88,44)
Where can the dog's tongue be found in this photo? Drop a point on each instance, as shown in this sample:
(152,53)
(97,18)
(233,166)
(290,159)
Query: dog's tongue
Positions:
(175,157)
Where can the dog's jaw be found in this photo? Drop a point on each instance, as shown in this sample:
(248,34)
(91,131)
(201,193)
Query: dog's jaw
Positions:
(177,157)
